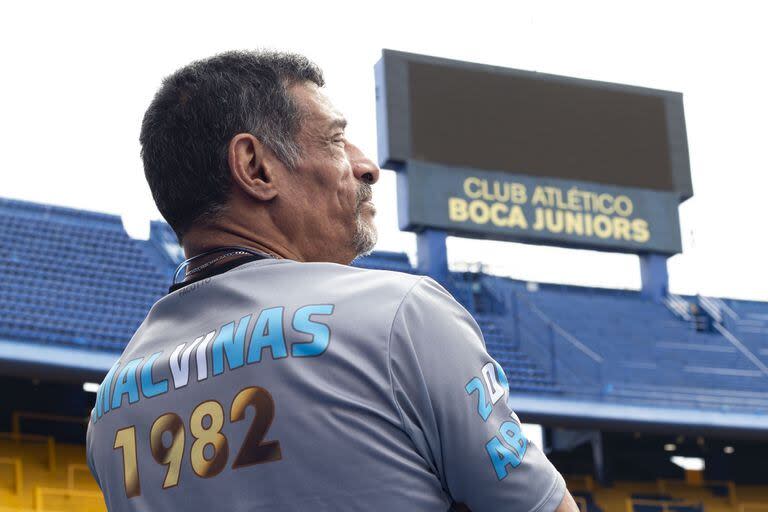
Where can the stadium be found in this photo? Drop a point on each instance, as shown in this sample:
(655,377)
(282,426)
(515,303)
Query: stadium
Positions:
(645,400)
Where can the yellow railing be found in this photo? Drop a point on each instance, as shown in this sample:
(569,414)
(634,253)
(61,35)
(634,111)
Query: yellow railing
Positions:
(17,416)
(663,487)
(72,469)
(6,509)
(41,492)
(17,435)
(48,440)
(748,506)
(17,472)
(586,481)
(664,504)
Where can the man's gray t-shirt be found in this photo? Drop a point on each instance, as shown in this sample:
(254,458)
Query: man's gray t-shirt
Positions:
(280,385)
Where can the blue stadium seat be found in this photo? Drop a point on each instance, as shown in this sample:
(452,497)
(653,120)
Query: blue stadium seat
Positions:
(63,282)
(63,279)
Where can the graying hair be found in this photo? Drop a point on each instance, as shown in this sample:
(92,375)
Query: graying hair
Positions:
(187,128)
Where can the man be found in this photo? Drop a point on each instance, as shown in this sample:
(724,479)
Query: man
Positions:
(275,376)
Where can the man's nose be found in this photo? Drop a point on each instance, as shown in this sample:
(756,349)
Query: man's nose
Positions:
(363,167)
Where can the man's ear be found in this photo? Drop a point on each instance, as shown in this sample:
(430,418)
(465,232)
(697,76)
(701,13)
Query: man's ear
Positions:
(252,166)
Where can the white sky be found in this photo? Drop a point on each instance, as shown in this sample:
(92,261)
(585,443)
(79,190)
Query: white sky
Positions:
(77,76)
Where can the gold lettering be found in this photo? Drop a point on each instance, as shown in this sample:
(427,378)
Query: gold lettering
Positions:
(620,228)
(641,233)
(539,197)
(478,212)
(554,220)
(559,199)
(624,206)
(484,188)
(457,209)
(588,200)
(496,209)
(573,199)
(603,226)
(588,224)
(574,223)
(501,191)
(517,218)
(518,193)
(602,199)
(472,180)
(550,195)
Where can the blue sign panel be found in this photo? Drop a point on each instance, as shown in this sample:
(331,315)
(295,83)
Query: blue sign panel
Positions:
(517,207)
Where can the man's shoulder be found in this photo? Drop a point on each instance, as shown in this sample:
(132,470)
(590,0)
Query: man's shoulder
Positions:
(391,278)
(369,286)
(363,293)
(324,274)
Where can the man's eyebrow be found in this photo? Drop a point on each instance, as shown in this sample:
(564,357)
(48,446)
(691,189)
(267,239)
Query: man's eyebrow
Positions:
(338,122)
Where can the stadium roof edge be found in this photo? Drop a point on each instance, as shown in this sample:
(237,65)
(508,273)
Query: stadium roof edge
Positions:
(36,360)
(569,287)
(583,413)
(21,207)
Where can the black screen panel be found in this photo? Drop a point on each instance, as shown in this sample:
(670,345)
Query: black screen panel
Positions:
(538,126)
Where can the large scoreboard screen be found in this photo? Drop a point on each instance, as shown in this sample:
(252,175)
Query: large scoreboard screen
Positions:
(470,138)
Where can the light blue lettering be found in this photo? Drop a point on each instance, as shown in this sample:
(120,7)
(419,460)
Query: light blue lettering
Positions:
(320,332)
(501,457)
(149,388)
(230,344)
(502,377)
(102,397)
(268,332)
(515,440)
(126,384)
(484,407)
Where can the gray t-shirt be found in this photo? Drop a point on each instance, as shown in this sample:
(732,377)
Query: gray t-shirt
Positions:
(289,386)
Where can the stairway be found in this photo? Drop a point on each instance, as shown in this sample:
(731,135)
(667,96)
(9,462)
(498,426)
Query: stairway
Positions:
(522,372)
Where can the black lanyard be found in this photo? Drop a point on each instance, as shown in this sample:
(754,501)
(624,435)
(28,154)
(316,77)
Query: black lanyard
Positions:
(253,255)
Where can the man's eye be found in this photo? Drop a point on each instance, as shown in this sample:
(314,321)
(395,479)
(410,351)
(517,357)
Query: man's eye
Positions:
(340,140)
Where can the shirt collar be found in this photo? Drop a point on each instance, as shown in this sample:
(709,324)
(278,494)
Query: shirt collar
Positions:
(215,270)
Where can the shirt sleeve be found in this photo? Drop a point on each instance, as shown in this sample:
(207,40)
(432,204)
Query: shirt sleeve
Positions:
(89,452)
(453,401)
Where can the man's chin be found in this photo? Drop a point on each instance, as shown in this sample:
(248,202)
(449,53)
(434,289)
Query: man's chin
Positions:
(364,253)
(366,249)
(365,239)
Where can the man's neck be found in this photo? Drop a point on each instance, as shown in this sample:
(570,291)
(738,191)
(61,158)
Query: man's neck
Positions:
(202,241)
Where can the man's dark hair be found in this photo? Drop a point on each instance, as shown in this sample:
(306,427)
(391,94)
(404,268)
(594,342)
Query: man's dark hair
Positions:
(186,130)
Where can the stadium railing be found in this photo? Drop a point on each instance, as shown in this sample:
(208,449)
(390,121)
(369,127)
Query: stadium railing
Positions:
(753,507)
(42,492)
(31,481)
(18,472)
(679,306)
(569,360)
(662,505)
(666,485)
(48,440)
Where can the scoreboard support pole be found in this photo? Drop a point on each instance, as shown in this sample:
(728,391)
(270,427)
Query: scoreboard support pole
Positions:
(432,254)
(654,276)
(433,261)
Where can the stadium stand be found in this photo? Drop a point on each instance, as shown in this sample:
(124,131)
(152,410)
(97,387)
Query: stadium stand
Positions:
(44,304)
(63,286)
(39,474)
(615,345)
(618,345)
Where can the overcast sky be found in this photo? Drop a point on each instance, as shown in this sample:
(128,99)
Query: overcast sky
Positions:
(77,77)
